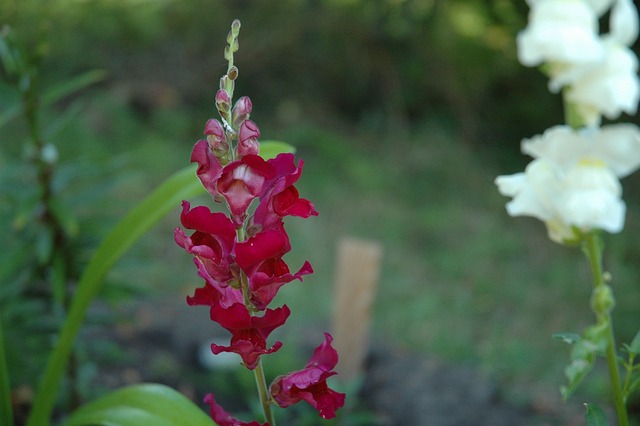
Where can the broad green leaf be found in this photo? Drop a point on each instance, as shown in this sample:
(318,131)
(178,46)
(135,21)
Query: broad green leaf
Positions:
(143,404)
(595,416)
(147,213)
(270,149)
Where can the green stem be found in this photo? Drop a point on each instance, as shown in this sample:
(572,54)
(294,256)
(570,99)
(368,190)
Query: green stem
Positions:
(263,391)
(6,408)
(593,251)
(258,372)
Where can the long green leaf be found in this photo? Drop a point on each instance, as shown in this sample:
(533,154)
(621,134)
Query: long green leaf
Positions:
(144,404)
(270,149)
(147,213)
(6,408)
(72,85)
(58,92)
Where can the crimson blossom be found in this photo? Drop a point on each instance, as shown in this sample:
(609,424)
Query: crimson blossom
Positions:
(310,383)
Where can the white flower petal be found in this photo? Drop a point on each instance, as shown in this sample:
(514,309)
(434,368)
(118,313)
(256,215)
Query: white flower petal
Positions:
(624,22)
(559,31)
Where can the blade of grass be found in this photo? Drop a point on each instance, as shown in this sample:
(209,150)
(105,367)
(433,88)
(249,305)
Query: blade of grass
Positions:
(147,213)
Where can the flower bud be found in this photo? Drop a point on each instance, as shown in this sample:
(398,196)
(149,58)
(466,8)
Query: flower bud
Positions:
(216,137)
(602,300)
(232,74)
(241,111)
(248,139)
(223,102)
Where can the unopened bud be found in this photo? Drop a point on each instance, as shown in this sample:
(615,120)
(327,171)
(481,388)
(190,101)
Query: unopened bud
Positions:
(248,139)
(216,138)
(235,26)
(602,300)
(232,73)
(223,103)
(241,111)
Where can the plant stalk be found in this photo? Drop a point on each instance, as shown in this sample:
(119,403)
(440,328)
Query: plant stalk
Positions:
(593,250)
(263,391)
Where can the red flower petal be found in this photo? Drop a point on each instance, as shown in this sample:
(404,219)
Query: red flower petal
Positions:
(310,383)
(222,418)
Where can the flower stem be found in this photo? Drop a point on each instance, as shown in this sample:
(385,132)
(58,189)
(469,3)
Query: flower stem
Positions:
(593,251)
(265,401)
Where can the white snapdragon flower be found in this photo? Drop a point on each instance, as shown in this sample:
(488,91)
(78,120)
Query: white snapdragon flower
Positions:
(564,31)
(573,182)
(608,86)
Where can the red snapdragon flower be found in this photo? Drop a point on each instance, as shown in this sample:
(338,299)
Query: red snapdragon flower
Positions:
(241,181)
(310,383)
(260,257)
(209,166)
(222,418)
(281,198)
(210,295)
(248,138)
(211,243)
(249,333)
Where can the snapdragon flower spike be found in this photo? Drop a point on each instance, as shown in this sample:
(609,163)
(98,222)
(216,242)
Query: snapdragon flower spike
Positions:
(249,333)
(222,418)
(310,383)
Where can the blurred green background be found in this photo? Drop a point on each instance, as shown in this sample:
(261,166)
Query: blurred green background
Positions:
(403,111)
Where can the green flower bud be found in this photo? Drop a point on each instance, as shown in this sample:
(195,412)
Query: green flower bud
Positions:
(602,300)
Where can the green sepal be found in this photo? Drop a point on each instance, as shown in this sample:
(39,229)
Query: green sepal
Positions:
(142,404)
(595,416)
(270,149)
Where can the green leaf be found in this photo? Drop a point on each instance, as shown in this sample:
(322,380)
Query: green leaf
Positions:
(634,347)
(270,149)
(143,404)
(595,416)
(6,407)
(72,85)
(569,338)
(583,357)
(147,213)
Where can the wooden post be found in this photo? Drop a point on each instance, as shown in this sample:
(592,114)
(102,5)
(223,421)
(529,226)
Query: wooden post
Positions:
(357,275)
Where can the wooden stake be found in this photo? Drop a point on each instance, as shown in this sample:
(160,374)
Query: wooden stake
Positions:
(357,275)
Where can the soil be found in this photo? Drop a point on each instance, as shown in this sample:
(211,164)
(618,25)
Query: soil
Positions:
(399,388)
